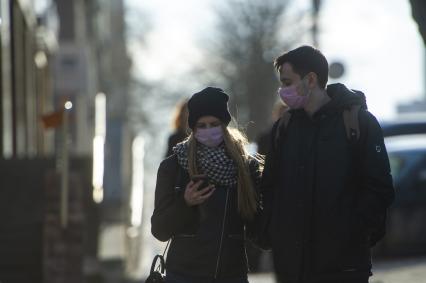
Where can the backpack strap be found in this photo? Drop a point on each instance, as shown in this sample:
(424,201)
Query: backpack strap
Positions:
(350,119)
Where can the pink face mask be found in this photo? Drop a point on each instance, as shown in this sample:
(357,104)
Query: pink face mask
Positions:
(290,97)
(210,137)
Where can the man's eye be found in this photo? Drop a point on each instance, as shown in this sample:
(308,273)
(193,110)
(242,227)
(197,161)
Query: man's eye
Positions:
(201,126)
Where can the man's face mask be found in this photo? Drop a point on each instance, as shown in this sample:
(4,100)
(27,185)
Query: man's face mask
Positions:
(210,137)
(290,97)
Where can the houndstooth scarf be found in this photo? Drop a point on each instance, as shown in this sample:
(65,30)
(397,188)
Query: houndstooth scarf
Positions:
(212,161)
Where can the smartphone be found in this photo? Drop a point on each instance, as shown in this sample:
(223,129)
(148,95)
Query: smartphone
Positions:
(204,178)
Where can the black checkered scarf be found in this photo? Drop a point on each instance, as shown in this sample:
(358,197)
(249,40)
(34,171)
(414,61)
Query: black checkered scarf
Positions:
(212,161)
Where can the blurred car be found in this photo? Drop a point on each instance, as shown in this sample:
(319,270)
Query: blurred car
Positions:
(404,125)
(406,227)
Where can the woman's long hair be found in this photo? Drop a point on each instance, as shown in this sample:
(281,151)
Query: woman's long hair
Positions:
(235,143)
(180,118)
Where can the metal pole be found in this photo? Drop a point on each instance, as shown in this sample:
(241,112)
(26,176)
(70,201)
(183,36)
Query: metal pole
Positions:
(64,172)
(315,11)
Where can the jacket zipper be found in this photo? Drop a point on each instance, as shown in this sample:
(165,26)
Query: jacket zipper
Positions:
(222,235)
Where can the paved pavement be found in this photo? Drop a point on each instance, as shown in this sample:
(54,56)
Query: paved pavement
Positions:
(410,270)
(401,270)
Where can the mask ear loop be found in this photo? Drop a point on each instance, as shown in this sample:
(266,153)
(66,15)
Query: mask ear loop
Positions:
(306,88)
(309,91)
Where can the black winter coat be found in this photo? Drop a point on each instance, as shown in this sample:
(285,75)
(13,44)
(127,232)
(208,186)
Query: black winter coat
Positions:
(324,194)
(175,138)
(208,240)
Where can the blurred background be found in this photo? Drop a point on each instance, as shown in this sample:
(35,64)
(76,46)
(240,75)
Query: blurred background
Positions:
(91,93)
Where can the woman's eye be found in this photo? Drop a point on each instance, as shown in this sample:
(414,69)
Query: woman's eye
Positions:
(208,125)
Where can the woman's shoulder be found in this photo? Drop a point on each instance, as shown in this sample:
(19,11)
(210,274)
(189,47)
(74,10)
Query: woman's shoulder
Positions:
(169,163)
(255,163)
(255,159)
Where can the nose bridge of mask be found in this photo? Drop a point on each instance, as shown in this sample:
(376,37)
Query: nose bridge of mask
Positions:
(209,130)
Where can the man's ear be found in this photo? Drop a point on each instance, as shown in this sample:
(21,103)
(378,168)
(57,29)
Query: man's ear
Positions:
(312,80)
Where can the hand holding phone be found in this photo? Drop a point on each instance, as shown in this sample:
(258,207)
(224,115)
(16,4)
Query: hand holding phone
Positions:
(203,178)
(198,190)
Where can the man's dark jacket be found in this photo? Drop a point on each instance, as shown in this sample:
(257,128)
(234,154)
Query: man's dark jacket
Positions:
(326,195)
(208,240)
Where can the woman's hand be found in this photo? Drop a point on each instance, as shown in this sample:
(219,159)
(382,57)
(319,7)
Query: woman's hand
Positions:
(193,196)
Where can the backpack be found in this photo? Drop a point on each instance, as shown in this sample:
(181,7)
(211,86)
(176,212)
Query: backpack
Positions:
(353,133)
(350,119)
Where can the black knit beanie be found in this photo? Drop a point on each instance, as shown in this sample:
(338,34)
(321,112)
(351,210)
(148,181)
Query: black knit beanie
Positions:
(211,101)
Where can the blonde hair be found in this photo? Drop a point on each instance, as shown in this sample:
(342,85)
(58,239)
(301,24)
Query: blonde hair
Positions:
(235,143)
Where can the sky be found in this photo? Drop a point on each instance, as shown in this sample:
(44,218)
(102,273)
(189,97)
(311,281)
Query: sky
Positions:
(377,41)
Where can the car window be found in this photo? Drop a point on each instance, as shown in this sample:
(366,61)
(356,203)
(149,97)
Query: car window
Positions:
(396,164)
(407,169)
(401,162)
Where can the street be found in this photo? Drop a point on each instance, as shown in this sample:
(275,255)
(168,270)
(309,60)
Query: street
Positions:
(410,270)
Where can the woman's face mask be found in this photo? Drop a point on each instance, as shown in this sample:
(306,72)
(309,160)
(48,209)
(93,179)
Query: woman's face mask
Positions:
(211,137)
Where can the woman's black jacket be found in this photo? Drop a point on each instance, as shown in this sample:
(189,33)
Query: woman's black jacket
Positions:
(208,240)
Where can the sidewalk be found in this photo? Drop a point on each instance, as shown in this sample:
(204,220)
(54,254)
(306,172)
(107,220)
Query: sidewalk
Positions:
(410,270)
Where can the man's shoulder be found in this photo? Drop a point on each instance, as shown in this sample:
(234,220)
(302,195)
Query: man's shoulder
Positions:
(282,123)
(368,120)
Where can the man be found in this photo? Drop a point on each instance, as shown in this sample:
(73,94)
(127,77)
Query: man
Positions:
(263,140)
(326,186)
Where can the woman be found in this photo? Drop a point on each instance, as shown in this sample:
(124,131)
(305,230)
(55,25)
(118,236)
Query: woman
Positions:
(206,222)
(180,128)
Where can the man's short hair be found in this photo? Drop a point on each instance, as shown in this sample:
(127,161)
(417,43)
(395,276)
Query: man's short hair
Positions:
(306,59)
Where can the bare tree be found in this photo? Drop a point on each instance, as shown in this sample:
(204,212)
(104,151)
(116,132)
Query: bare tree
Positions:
(249,35)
